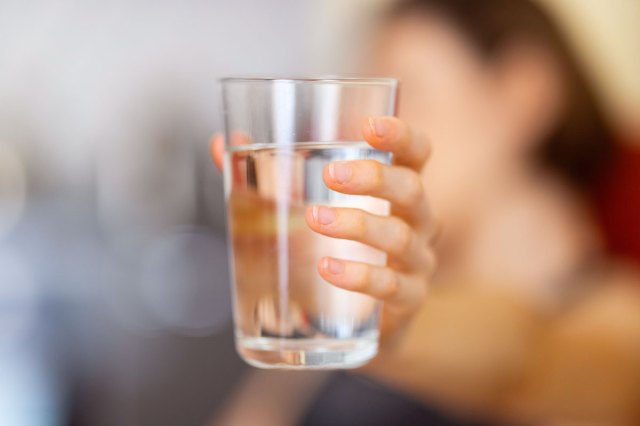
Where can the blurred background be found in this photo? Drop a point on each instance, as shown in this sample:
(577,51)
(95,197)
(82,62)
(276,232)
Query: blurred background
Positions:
(114,289)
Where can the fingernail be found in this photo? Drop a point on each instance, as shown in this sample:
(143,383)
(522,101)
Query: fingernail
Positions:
(340,171)
(379,126)
(323,215)
(333,266)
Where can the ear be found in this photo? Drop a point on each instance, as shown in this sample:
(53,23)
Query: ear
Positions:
(532,88)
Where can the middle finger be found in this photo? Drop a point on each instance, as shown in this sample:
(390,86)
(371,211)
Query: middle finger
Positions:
(400,185)
(387,233)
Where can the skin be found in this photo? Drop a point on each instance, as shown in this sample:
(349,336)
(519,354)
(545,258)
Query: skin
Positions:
(500,329)
(404,235)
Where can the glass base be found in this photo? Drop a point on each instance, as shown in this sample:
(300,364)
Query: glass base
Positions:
(306,354)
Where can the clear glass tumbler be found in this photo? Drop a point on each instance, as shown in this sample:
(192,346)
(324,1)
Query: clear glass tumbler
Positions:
(280,134)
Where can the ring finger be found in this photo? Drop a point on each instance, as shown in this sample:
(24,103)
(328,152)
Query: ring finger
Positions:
(377,281)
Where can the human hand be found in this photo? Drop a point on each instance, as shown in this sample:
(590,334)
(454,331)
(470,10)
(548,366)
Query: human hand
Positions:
(406,235)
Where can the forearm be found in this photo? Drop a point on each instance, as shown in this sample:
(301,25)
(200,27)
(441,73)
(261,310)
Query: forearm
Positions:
(484,353)
(587,368)
(462,350)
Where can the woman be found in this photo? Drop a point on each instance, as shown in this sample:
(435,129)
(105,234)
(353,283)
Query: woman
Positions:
(527,318)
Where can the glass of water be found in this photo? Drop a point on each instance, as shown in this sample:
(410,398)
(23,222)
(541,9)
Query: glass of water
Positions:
(280,133)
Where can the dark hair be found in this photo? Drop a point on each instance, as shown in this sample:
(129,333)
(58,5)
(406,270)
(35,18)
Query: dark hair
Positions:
(579,147)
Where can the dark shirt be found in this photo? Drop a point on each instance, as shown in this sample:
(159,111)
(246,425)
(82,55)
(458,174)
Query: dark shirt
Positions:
(348,400)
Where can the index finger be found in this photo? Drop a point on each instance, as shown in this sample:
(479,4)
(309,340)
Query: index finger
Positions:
(391,134)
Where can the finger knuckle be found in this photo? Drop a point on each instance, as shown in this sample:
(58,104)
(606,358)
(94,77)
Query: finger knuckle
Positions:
(376,175)
(421,148)
(403,237)
(415,298)
(427,263)
(359,224)
(413,191)
(362,280)
(390,284)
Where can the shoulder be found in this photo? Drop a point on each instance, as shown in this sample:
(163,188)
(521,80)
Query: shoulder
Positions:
(537,238)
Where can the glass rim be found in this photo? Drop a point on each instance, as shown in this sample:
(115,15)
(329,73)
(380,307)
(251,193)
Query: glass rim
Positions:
(387,81)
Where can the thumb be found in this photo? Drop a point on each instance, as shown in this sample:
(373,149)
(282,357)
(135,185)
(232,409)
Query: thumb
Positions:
(216,150)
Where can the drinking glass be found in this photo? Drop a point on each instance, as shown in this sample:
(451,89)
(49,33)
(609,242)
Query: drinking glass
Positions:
(280,133)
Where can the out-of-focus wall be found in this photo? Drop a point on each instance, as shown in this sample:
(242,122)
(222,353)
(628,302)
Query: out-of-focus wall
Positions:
(606,35)
(114,289)
(73,72)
